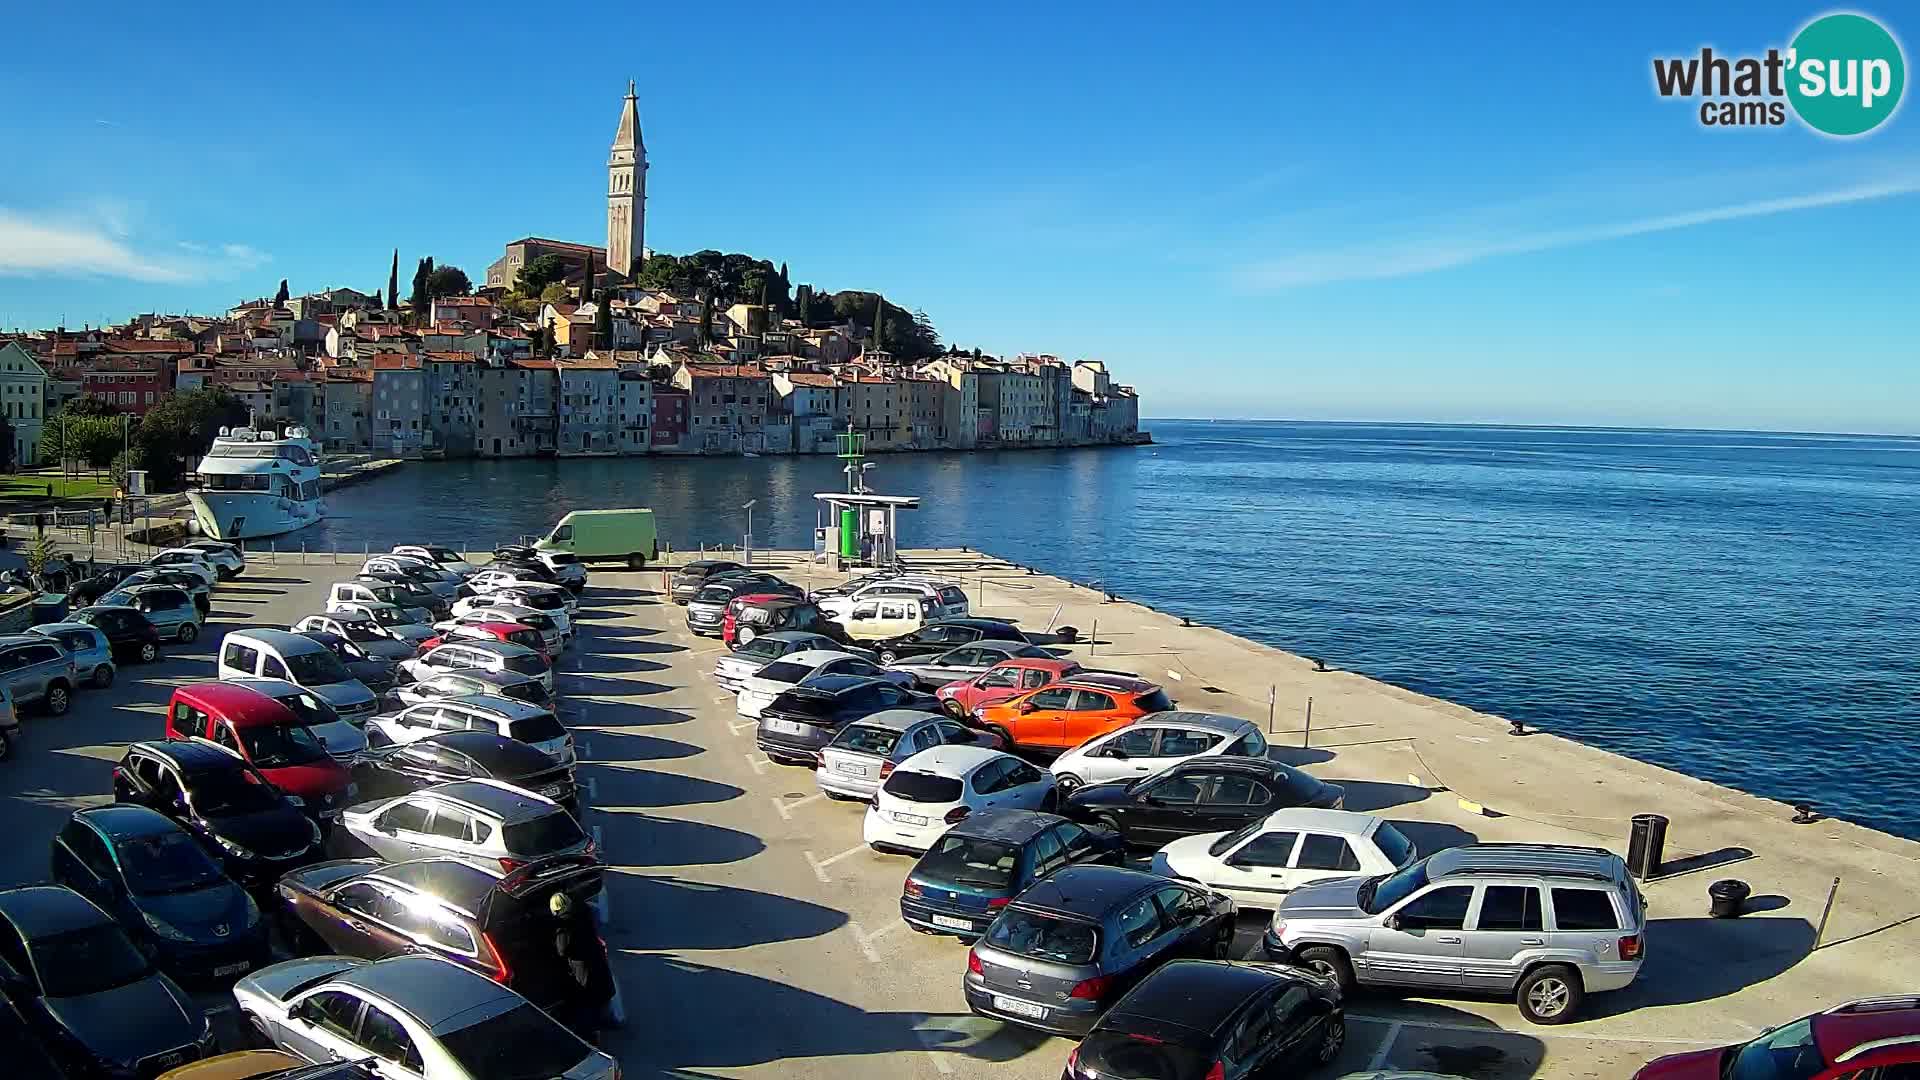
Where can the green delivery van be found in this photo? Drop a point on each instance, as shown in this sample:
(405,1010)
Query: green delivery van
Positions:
(597,535)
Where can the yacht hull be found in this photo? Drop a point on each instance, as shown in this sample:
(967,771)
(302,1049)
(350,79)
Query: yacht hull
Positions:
(244,515)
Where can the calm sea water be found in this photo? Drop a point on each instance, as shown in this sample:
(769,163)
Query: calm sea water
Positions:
(1741,607)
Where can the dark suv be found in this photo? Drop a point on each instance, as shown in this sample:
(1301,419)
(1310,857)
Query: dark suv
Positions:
(688,579)
(797,723)
(226,803)
(130,634)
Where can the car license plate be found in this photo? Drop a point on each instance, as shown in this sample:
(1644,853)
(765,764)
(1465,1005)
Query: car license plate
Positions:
(552,791)
(231,969)
(852,770)
(1020,1008)
(952,923)
(785,727)
(910,819)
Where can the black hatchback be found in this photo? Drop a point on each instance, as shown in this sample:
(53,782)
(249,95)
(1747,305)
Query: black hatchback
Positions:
(797,723)
(452,756)
(975,868)
(1200,795)
(224,802)
(944,634)
(1195,1019)
(130,634)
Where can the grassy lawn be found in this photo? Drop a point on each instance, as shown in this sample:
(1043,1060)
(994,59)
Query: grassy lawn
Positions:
(26,485)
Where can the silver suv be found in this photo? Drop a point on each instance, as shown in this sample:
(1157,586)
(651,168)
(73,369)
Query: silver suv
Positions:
(37,672)
(1545,923)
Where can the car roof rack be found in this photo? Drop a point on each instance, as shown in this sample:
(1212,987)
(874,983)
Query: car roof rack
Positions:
(1886,1003)
(1876,1044)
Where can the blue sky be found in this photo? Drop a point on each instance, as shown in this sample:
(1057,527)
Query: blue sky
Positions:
(1346,214)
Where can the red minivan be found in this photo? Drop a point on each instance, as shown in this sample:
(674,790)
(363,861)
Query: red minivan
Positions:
(269,735)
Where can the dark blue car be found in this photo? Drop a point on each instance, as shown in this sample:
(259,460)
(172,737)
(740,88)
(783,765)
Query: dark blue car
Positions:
(172,898)
(990,857)
(89,995)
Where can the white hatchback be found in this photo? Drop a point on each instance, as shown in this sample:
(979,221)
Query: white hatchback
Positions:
(935,789)
(1260,863)
(760,688)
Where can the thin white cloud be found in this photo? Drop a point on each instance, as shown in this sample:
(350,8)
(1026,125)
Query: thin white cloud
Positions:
(1375,262)
(99,245)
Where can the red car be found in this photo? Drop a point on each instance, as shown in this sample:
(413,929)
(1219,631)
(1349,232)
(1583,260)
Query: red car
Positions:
(1001,681)
(267,734)
(1877,1038)
(512,633)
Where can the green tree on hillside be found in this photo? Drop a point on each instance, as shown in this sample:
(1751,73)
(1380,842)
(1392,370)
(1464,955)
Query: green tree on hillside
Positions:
(393,282)
(280,297)
(448,281)
(69,437)
(87,405)
(602,323)
(420,300)
(533,278)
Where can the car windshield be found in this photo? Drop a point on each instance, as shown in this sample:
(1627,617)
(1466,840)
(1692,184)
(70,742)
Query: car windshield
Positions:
(1227,842)
(1154,700)
(86,961)
(530,692)
(1785,1053)
(389,617)
(1295,786)
(923,787)
(1043,937)
(360,631)
(784,671)
(862,739)
(1393,844)
(519,1044)
(1381,893)
(117,598)
(553,832)
(279,745)
(760,649)
(311,710)
(168,863)
(965,860)
(526,665)
(537,728)
(539,601)
(231,791)
(316,669)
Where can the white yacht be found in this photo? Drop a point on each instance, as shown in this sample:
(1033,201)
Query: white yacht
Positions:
(258,483)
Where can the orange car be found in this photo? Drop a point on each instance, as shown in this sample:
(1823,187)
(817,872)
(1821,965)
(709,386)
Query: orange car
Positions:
(1073,710)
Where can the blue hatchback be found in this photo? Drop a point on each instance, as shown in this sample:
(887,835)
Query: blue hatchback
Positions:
(172,897)
(977,867)
(92,654)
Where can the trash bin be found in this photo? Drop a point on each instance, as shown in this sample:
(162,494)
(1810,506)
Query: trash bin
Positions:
(1646,844)
(1728,895)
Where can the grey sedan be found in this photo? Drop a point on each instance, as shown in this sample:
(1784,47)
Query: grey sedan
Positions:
(933,672)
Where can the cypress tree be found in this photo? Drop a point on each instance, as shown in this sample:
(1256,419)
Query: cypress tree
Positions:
(393,282)
(280,298)
(879,321)
(603,323)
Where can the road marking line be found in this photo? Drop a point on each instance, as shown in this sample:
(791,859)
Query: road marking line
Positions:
(1380,1056)
(820,865)
(592,789)
(786,806)
(583,748)
(1431,1025)
(936,1052)
(759,762)
(737,726)
(718,698)
(866,940)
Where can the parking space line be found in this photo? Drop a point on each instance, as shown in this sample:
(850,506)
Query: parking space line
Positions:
(1540,1033)
(935,1051)
(786,806)
(735,727)
(866,940)
(591,788)
(718,698)
(583,748)
(1380,1056)
(820,865)
(758,761)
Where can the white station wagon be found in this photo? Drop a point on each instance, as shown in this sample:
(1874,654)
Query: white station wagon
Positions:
(1258,864)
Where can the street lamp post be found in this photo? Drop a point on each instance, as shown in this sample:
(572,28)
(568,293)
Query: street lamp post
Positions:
(748,548)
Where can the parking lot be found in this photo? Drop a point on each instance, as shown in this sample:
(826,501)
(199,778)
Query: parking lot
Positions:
(754,934)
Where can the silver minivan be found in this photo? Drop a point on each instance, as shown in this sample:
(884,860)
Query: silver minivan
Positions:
(37,671)
(1545,923)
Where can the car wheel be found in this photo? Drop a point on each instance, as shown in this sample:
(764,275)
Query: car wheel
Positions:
(188,631)
(636,562)
(1329,962)
(58,699)
(1333,1039)
(1550,994)
(1051,801)
(954,709)
(6,746)
(744,635)
(1064,783)
(1005,737)
(149,652)
(103,676)
(887,656)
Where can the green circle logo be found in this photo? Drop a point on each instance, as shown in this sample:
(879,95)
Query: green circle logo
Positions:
(1846,74)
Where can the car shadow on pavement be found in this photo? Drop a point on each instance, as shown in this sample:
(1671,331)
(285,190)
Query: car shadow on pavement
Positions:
(586,685)
(1699,959)
(607,644)
(1367,795)
(659,912)
(675,1024)
(1435,1039)
(636,838)
(610,661)
(614,746)
(649,788)
(616,714)
(1431,836)
(1298,756)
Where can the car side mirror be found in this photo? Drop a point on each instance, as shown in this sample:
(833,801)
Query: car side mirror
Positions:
(1116,753)
(859,615)
(1027,706)
(383,827)
(1391,922)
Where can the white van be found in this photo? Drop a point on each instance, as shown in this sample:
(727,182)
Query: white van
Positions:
(351,594)
(948,600)
(300,660)
(873,618)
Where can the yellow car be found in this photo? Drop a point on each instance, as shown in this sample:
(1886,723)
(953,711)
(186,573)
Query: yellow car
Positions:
(241,1065)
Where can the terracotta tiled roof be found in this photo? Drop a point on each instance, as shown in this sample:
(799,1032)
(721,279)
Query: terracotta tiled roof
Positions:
(141,345)
(590,362)
(530,364)
(725,371)
(450,357)
(395,362)
(812,378)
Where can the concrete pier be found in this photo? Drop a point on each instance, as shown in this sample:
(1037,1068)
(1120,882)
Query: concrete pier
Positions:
(755,935)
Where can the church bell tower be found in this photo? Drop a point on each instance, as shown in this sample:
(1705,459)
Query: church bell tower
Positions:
(627,192)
